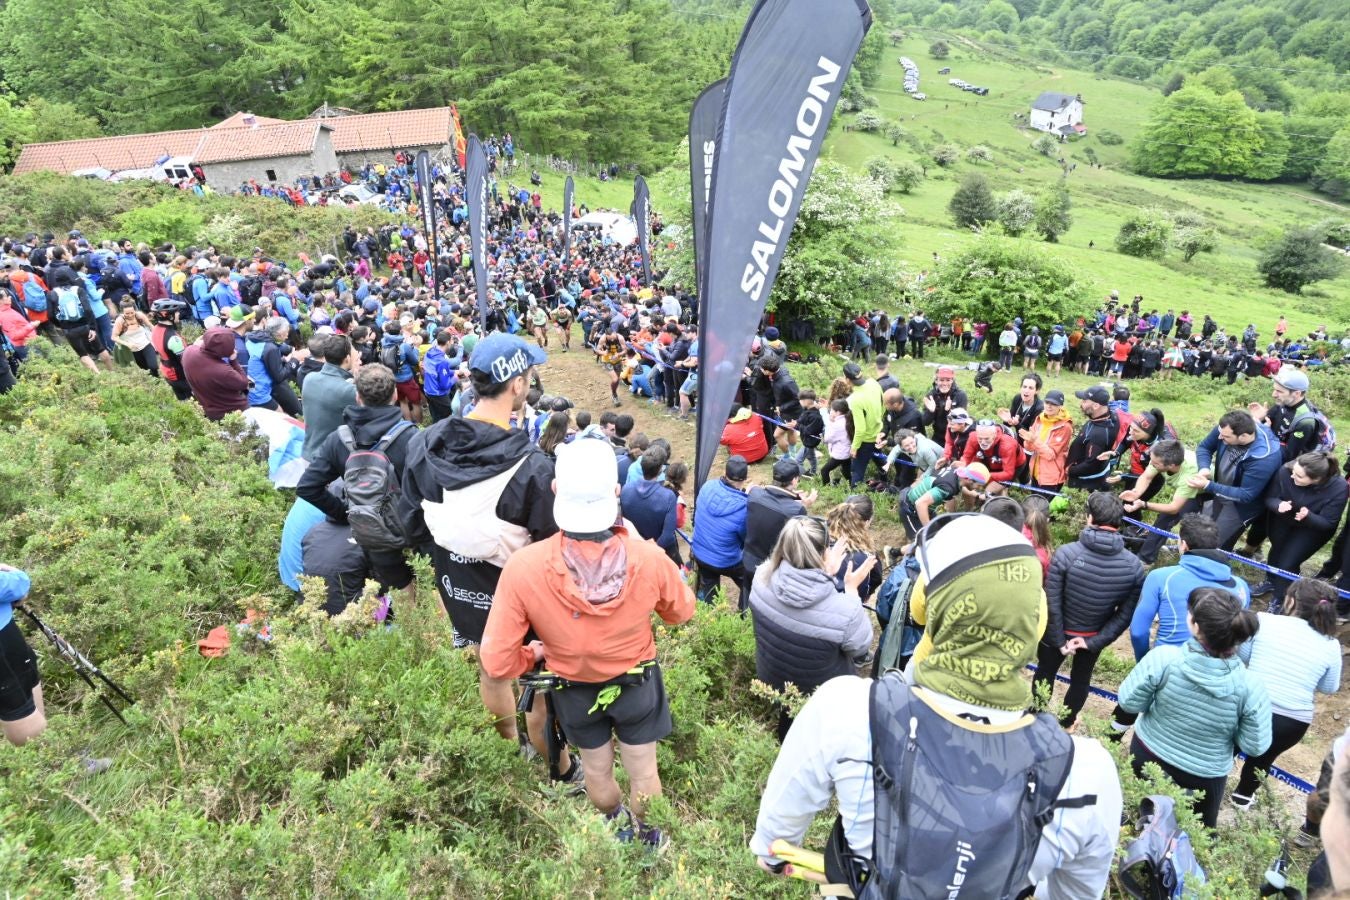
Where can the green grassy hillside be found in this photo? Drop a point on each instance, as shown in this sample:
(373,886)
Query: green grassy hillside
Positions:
(1224,283)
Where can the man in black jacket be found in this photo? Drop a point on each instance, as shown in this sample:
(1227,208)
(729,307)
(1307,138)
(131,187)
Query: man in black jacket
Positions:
(673,374)
(919,331)
(944,397)
(768,510)
(475,490)
(1090,591)
(1092,452)
(374,415)
(787,407)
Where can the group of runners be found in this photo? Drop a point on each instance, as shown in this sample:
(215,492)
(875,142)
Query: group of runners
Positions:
(552,533)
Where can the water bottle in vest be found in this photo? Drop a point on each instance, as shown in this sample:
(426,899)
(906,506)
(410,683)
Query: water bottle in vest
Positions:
(372,489)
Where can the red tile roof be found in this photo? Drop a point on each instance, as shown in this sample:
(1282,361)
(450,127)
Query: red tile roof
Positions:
(237,121)
(231,140)
(383,131)
(265,141)
(132,151)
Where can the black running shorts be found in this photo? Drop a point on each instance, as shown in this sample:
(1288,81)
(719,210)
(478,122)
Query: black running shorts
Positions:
(640,714)
(18,675)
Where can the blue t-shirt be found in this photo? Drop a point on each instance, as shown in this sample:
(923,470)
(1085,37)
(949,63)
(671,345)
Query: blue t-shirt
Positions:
(14,587)
(290,562)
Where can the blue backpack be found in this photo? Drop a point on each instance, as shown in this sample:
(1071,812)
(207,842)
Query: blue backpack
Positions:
(900,634)
(34,297)
(69,306)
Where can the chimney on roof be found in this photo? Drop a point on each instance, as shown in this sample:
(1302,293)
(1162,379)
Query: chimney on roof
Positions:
(250,120)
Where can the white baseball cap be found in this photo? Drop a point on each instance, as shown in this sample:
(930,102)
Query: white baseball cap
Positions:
(587,474)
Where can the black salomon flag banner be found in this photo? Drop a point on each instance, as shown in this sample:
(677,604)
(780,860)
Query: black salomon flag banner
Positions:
(476,195)
(641,211)
(568,190)
(703,121)
(784,84)
(424,200)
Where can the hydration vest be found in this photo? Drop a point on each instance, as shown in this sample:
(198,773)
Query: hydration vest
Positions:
(959,811)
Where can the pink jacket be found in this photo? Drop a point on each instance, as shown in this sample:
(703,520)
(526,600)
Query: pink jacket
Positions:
(16,327)
(836,438)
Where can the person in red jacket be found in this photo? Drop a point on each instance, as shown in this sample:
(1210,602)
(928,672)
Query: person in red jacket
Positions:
(219,385)
(744,436)
(998,450)
(12,322)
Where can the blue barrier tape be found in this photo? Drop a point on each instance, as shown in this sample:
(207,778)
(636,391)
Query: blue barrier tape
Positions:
(1278,774)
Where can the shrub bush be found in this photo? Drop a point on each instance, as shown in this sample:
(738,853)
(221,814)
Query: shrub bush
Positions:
(946,154)
(867,121)
(1110,138)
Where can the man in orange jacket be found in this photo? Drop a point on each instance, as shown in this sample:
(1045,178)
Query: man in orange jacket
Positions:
(588,593)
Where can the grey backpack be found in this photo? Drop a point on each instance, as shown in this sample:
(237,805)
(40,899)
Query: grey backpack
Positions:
(959,812)
(372,489)
(1160,864)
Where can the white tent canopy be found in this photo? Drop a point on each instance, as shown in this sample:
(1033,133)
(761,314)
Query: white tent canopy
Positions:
(618,228)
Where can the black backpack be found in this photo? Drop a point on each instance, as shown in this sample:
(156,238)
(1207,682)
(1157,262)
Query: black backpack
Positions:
(391,356)
(372,489)
(941,791)
(250,290)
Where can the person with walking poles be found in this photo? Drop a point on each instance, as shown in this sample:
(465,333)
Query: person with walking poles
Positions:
(22,713)
(588,593)
(923,773)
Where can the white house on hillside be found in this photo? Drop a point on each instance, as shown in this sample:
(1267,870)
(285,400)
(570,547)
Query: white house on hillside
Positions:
(1059,114)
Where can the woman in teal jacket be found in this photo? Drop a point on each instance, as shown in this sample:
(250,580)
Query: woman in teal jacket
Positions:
(1197,702)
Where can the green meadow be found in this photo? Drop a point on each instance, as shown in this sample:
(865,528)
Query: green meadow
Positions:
(1224,283)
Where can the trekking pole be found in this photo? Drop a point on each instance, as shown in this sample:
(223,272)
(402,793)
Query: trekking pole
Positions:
(82,665)
(807,865)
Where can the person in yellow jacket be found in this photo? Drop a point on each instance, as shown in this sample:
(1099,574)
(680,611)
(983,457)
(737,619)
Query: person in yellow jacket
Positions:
(868,410)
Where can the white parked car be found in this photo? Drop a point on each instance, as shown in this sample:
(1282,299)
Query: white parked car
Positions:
(359,193)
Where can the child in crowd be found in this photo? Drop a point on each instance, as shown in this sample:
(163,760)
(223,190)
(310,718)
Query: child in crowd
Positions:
(837,440)
(810,428)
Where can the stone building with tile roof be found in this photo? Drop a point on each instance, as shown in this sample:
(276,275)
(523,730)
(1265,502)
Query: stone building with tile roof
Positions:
(246,147)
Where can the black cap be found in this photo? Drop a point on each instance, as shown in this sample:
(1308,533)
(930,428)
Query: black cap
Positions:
(1055,397)
(853,373)
(737,469)
(785,470)
(1096,393)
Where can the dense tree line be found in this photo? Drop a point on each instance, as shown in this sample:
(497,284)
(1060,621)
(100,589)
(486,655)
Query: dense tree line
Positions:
(606,81)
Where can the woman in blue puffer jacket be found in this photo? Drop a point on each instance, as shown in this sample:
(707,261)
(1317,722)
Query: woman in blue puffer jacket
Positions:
(1197,702)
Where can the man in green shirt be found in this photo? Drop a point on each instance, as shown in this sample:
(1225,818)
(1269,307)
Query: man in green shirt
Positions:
(1172,466)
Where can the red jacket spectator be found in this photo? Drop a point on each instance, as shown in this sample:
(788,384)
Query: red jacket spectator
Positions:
(1002,459)
(745,437)
(16,327)
(153,284)
(218,383)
